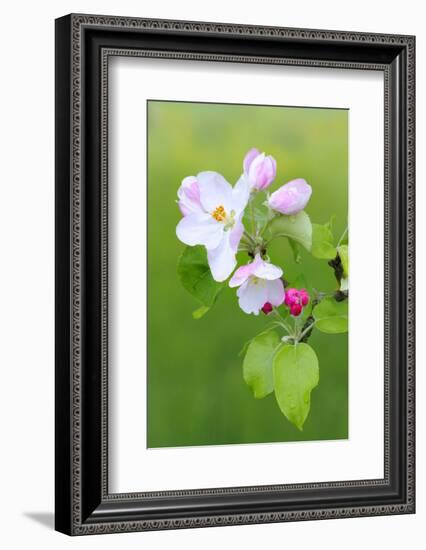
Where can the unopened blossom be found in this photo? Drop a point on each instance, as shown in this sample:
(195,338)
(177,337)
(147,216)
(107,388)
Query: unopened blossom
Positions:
(259,169)
(259,282)
(213,211)
(291,198)
(267,308)
(296,300)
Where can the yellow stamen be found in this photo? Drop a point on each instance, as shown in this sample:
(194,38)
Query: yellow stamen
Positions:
(219,213)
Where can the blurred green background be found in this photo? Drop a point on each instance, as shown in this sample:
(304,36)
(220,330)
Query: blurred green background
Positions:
(196,392)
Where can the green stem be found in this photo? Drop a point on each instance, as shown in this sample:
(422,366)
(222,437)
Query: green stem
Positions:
(307,329)
(296,324)
(282,322)
(271,214)
(253,224)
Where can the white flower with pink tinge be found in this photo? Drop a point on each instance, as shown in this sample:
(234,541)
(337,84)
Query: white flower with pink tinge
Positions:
(212,212)
(259,282)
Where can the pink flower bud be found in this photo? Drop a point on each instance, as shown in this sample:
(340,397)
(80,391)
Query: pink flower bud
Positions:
(249,158)
(296,300)
(295,310)
(291,198)
(267,308)
(304,297)
(260,170)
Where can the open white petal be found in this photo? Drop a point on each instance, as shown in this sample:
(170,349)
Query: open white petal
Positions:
(235,235)
(214,191)
(240,194)
(265,270)
(222,259)
(202,229)
(188,195)
(275,290)
(252,297)
(188,206)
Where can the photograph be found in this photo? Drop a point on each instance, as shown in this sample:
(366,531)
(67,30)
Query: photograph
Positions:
(248,273)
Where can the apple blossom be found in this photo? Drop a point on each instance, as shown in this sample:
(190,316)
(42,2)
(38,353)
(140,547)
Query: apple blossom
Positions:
(260,170)
(291,198)
(213,211)
(259,282)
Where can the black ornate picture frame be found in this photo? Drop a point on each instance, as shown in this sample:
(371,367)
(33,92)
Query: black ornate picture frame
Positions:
(84,43)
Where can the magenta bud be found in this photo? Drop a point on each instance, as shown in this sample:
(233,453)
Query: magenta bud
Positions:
(296,300)
(295,310)
(304,297)
(267,308)
(291,296)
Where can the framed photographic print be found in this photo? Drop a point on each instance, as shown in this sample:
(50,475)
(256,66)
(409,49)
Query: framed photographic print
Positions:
(219,360)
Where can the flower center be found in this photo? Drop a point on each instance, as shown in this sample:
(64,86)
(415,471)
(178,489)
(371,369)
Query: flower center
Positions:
(257,281)
(219,213)
(221,216)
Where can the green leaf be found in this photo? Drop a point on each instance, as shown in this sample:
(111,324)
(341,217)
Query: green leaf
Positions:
(261,216)
(296,374)
(300,282)
(297,227)
(296,249)
(322,242)
(344,239)
(331,316)
(246,345)
(200,312)
(257,365)
(195,275)
(307,311)
(343,252)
